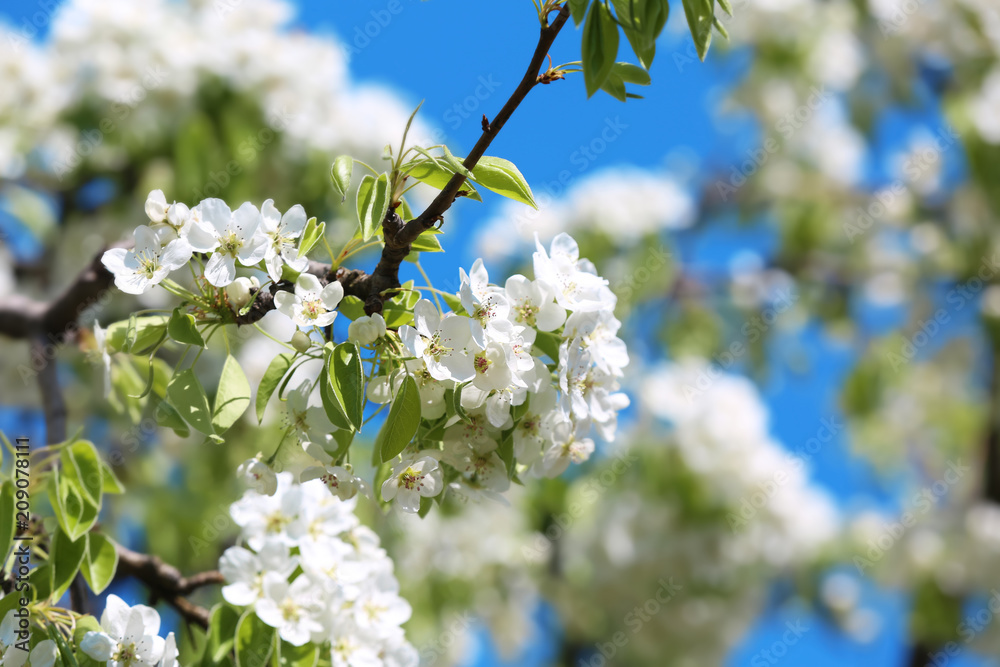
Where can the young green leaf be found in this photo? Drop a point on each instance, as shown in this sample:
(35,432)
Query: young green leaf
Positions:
(503,178)
(222,631)
(310,236)
(373,202)
(437,174)
(145,332)
(402,422)
(600,46)
(66,558)
(349,382)
(167,415)
(232,397)
(109,481)
(700,15)
(272,377)
(578,10)
(81,463)
(456,399)
(340,174)
(254,641)
(181,327)
(334,407)
(188,397)
(101,562)
(306,655)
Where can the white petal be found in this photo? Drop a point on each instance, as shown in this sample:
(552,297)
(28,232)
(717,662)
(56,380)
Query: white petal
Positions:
(220,270)
(217,214)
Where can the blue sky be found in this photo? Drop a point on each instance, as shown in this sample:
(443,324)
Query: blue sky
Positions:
(443,52)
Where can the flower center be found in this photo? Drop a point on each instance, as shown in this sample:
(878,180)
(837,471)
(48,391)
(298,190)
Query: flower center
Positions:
(526,313)
(481,363)
(229,244)
(313,308)
(410,479)
(289,610)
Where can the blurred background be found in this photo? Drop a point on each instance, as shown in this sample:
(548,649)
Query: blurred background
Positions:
(801,232)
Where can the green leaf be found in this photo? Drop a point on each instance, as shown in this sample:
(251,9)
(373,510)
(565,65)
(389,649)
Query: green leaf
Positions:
(548,343)
(456,402)
(233,397)
(110,483)
(146,331)
(503,178)
(700,15)
(402,422)
(67,556)
(727,6)
(455,164)
(348,380)
(437,174)
(373,202)
(453,301)
(272,378)
(311,236)
(7,525)
(101,562)
(167,415)
(334,407)
(351,307)
(427,242)
(40,579)
(222,626)
(632,74)
(82,464)
(721,28)
(578,10)
(340,174)
(306,655)
(600,46)
(506,452)
(188,397)
(254,641)
(182,329)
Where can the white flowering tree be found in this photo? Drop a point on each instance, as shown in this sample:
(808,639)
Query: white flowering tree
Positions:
(495,385)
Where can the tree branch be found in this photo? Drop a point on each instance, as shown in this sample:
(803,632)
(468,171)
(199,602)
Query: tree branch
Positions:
(167,583)
(399,236)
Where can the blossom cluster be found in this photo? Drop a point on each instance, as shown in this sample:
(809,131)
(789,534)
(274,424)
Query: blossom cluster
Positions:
(129,637)
(247,235)
(721,433)
(141,67)
(310,570)
(486,352)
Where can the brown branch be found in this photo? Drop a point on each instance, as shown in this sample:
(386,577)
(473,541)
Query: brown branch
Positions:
(167,583)
(399,236)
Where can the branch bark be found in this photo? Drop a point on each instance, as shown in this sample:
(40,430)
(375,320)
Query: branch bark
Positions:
(167,583)
(399,235)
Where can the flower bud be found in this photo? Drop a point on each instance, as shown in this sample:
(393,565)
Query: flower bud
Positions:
(300,341)
(239,291)
(156,206)
(366,330)
(258,476)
